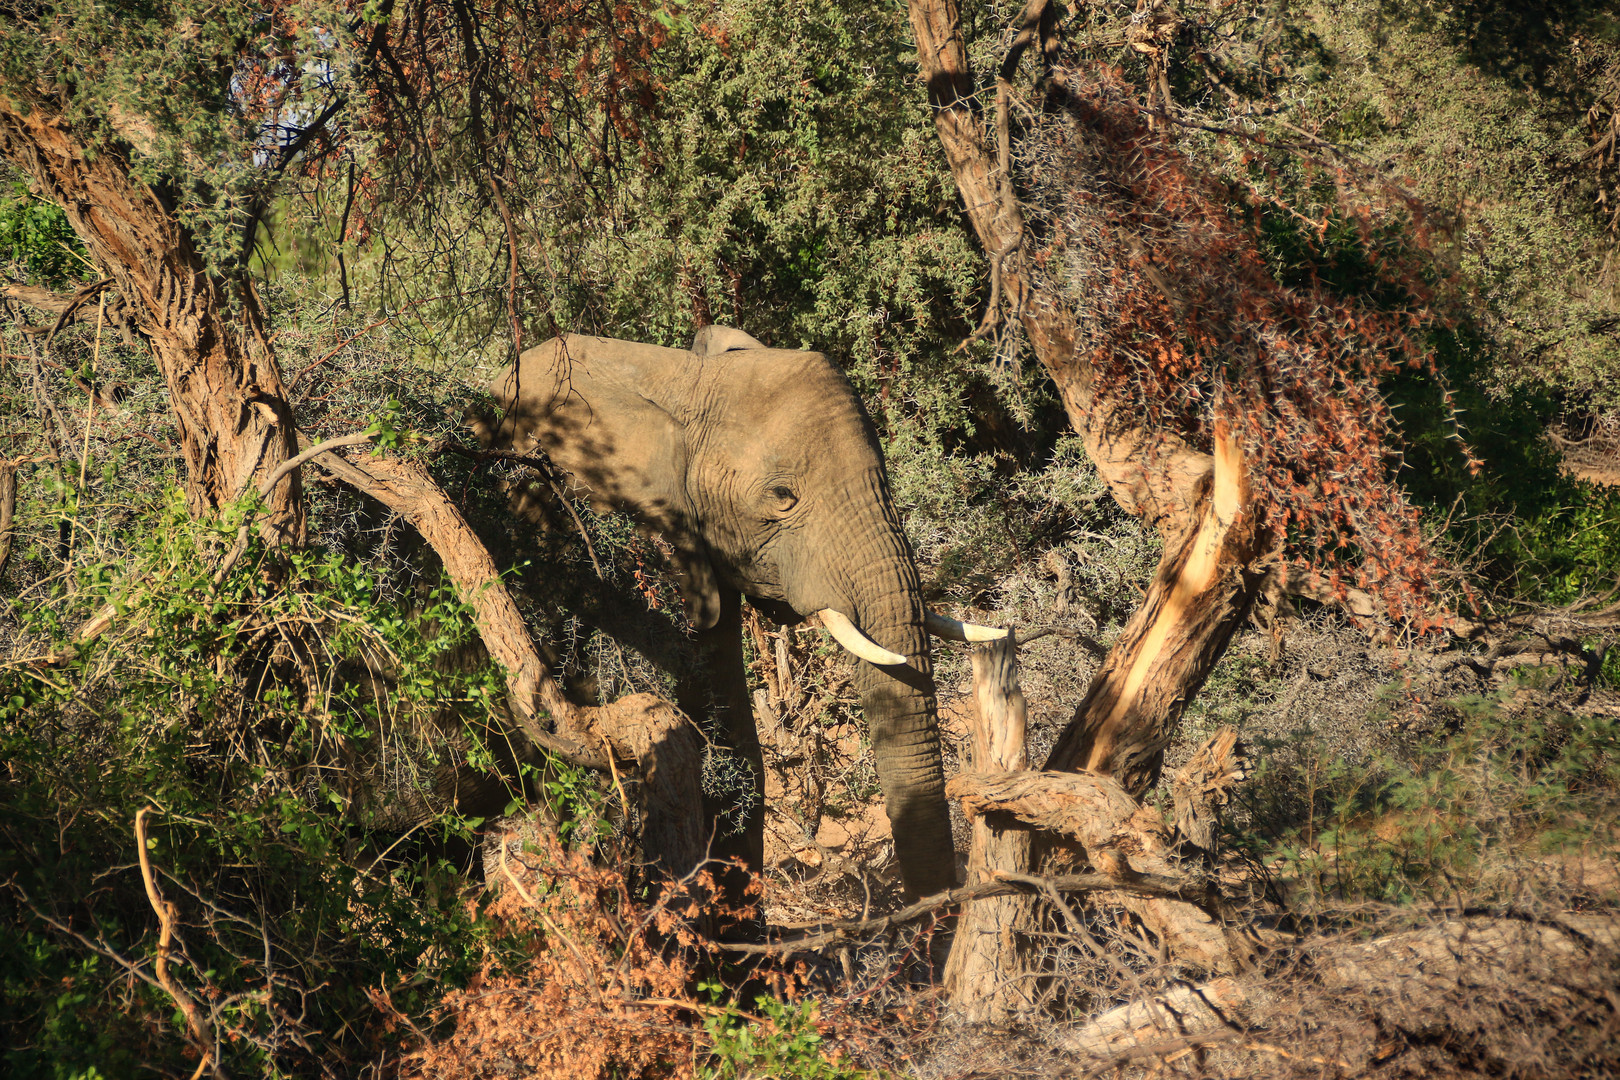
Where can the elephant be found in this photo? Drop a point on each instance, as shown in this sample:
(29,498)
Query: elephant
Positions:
(762,470)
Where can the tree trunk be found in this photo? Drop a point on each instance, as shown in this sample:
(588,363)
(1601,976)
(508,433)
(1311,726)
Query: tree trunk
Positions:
(1201,591)
(206,333)
(985,976)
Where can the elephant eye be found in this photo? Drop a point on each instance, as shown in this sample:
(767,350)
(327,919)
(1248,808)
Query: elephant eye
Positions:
(785,497)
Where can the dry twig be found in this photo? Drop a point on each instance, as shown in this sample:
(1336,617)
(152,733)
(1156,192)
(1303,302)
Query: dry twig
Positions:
(202,1033)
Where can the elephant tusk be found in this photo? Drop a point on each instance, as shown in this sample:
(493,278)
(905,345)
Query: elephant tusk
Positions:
(844,632)
(946,627)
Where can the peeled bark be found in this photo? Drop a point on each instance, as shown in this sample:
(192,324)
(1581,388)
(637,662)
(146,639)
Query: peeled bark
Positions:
(1203,785)
(205,332)
(1199,595)
(985,976)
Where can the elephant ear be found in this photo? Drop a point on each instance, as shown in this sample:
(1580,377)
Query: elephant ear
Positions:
(593,405)
(713,340)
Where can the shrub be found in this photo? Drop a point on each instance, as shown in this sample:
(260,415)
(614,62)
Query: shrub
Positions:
(1462,816)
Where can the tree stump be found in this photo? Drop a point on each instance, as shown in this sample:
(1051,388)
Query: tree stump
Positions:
(985,974)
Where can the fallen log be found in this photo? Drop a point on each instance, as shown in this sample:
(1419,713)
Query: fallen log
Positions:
(1179,1012)
(1461,987)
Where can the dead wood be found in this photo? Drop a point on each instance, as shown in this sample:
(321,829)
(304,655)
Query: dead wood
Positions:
(1199,594)
(8,510)
(1182,1011)
(1094,811)
(1460,991)
(984,976)
(198,1026)
(837,931)
(1204,784)
(1124,840)
(70,309)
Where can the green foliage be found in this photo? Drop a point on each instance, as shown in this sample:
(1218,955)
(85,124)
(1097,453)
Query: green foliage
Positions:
(576,797)
(1456,817)
(783,1042)
(272,720)
(196,93)
(1485,178)
(1480,459)
(35,237)
(1489,128)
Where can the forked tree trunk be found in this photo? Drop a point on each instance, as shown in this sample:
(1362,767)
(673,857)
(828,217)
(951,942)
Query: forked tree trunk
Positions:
(205,332)
(1201,591)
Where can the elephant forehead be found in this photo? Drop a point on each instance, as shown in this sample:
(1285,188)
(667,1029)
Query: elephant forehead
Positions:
(781,386)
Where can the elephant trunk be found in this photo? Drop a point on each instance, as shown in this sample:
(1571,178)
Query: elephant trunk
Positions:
(902,712)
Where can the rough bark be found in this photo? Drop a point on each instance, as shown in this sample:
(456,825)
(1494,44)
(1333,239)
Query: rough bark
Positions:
(205,332)
(1200,593)
(985,976)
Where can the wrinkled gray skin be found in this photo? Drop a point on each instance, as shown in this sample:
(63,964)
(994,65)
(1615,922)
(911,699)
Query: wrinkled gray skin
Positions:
(761,468)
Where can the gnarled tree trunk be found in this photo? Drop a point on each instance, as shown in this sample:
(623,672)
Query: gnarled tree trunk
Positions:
(206,332)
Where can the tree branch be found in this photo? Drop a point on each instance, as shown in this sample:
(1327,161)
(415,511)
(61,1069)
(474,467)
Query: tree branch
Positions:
(1005,885)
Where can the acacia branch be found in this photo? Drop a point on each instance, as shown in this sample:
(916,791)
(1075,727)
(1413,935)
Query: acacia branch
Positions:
(406,487)
(282,471)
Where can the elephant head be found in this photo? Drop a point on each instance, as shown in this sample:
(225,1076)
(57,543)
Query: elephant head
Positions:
(762,469)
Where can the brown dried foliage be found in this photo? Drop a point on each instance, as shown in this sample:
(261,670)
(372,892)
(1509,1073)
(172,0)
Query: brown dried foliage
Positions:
(1178,313)
(601,987)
